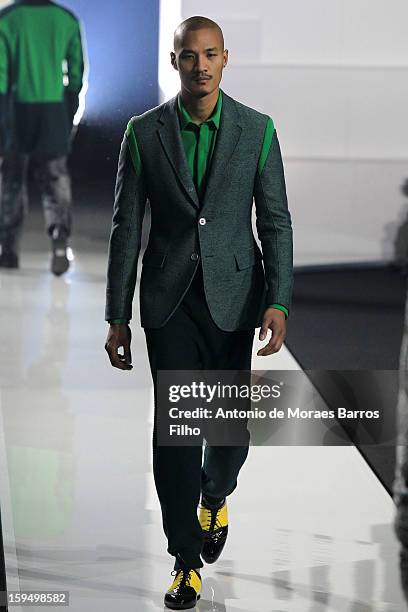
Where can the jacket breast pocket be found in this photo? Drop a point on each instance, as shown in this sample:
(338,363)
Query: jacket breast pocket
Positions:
(245,258)
(154,259)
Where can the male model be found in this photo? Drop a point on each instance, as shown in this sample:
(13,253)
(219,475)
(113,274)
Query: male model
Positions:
(39,42)
(200,159)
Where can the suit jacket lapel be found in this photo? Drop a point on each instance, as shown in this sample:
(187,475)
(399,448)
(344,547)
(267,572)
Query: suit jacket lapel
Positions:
(229,133)
(170,137)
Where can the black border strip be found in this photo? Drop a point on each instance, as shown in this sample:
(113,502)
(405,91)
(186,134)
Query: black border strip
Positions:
(3,579)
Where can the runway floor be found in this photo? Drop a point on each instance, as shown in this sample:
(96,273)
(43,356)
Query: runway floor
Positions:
(78,502)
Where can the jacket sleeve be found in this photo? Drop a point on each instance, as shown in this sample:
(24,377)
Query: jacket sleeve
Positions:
(4,87)
(76,68)
(4,60)
(274,226)
(126,232)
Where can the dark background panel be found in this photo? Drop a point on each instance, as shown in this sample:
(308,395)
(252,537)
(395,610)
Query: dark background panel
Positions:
(122,44)
(351,318)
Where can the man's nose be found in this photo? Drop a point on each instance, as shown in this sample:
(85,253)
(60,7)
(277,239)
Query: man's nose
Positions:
(201,65)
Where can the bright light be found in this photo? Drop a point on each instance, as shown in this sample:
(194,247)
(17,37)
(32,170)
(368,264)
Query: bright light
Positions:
(81,107)
(170,17)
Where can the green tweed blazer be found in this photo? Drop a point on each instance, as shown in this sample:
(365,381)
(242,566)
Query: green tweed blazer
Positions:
(240,279)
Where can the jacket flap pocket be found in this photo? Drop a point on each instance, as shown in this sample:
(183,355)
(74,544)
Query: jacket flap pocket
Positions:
(154,259)
(245,258)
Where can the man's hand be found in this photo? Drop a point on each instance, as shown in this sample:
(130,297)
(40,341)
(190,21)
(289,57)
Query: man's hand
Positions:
(273,319)
(119,335)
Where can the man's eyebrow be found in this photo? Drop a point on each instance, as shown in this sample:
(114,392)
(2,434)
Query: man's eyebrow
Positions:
(192,50)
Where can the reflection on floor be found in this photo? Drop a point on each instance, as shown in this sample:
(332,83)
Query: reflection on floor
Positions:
(311,528)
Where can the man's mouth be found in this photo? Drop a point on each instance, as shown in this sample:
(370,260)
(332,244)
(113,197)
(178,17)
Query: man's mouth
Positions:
(202,79)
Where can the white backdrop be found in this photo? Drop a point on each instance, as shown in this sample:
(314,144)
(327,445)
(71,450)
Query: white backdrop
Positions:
(333,75)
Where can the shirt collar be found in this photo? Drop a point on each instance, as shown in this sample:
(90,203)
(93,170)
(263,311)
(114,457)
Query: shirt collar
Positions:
(214,118)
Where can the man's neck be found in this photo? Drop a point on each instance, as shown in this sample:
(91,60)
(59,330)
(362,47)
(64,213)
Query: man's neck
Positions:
(199,109)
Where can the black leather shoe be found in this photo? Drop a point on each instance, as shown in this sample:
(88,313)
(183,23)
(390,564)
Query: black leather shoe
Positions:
(184,592)
(59,261)
(214,523)
(9,259)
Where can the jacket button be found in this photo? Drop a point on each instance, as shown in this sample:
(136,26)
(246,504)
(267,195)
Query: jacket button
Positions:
(194,256)
(202,221)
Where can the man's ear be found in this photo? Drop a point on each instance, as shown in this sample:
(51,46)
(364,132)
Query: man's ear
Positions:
(173,60)
(225,57)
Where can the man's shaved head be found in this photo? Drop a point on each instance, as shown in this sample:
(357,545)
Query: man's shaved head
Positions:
(199,57)
(195,23)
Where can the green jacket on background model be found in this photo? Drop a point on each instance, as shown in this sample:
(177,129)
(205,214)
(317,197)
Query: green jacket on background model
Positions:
(41,76)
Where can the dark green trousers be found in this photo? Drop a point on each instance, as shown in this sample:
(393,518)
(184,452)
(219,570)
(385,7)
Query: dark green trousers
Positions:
(190,340)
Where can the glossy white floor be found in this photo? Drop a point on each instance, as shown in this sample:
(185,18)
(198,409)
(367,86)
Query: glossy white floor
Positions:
(310,527)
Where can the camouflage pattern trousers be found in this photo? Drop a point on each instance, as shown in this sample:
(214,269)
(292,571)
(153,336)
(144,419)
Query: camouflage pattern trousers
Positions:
(52,177)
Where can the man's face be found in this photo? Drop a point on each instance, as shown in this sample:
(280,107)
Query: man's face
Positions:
(200,60)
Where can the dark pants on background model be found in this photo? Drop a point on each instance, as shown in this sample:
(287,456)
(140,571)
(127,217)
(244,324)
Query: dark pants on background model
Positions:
(54,183)
(190,340)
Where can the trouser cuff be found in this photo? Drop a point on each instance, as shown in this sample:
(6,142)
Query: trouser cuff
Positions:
(212,502)
(187,561)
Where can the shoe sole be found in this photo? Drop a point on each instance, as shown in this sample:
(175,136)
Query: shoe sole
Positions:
(182,606)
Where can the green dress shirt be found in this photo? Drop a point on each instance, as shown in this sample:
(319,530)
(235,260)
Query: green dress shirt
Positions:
(199,142)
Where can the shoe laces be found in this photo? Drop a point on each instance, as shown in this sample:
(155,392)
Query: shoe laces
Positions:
(211,517)
(184,579)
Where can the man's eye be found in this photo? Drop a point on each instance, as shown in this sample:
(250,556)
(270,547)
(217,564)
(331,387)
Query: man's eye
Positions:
(212,54)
